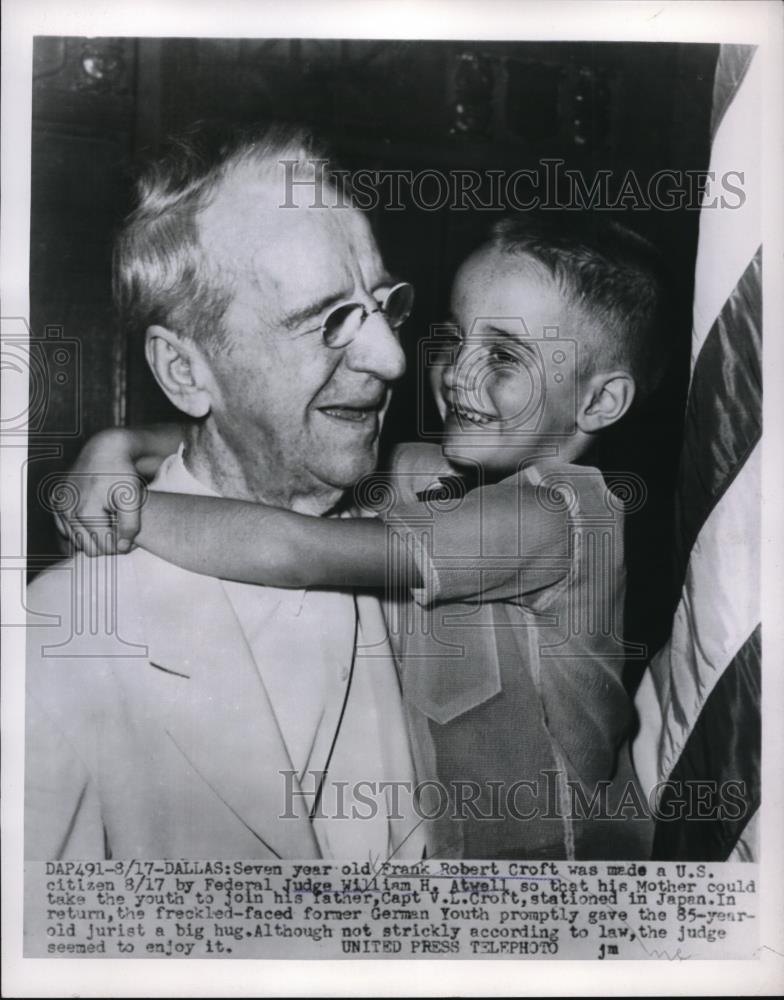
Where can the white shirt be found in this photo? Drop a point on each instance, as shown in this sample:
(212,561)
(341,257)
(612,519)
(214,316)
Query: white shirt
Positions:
(325,661)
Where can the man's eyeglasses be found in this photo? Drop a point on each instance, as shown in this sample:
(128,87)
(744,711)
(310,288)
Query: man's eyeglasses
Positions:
(343,323)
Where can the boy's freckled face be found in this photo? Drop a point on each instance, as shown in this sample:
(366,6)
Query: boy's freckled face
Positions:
(512,390)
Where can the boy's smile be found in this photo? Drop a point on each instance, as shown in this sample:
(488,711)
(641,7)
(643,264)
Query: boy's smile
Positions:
(511,393)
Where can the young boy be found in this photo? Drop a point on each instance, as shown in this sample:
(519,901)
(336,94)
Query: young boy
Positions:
(511,652)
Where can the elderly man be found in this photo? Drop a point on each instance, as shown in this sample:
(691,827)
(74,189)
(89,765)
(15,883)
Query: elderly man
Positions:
(175,715)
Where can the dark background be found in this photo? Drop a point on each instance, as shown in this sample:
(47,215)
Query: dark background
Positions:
(101,105)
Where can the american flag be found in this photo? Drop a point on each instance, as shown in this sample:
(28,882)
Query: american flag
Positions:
(699,701)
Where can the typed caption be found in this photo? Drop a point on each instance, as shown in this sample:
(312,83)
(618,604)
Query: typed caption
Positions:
(428,909)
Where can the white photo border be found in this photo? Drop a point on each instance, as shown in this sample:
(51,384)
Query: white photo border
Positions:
(759,23)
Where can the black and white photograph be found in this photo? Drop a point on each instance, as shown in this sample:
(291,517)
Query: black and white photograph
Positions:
(383,489)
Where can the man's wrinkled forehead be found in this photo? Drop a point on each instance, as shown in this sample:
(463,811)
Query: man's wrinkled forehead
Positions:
(250,235)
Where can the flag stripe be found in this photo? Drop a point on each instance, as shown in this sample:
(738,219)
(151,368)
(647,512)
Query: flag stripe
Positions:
(724,412)
(734,61)
(746,846)
(718,609)
(724,746)
(700,703)
(729,236)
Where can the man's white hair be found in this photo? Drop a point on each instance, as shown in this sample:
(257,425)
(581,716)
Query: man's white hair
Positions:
(162,273)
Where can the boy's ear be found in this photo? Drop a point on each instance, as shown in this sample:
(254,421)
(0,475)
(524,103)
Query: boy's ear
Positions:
(607,397)
(179,369)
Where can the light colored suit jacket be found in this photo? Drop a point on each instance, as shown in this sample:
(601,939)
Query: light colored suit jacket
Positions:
(149,731)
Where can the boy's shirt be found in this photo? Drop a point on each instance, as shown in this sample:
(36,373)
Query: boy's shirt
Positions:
(511,652)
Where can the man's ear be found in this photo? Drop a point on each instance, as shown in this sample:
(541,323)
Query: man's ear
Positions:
(607,397)
(179,369)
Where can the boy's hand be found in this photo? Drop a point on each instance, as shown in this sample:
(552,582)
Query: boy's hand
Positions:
(101,497)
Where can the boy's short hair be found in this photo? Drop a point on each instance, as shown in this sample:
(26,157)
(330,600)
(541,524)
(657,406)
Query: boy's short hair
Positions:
(612,275)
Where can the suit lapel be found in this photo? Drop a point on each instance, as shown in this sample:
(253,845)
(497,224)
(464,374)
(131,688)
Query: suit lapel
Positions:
(215,707)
